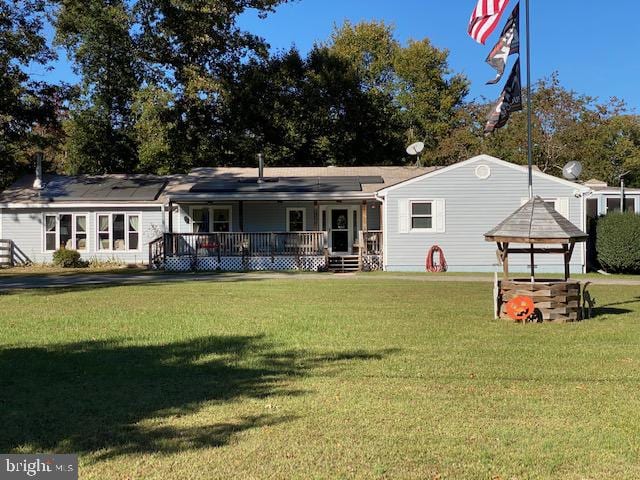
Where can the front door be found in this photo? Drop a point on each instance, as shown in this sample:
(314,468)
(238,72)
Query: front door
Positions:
(340,230)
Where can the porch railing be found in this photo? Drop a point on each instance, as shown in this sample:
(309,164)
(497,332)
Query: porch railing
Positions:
(242,244)
(156,253)
(370,250)
(6,253)
(371,242)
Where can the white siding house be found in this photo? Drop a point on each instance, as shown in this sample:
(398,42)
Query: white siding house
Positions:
(312,217)
(454,206)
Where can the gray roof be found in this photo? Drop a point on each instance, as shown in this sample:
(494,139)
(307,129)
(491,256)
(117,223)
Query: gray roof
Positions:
(213,183)
(62,188)
(536,222)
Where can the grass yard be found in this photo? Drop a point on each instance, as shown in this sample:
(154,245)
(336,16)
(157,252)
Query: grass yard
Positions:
(307,378)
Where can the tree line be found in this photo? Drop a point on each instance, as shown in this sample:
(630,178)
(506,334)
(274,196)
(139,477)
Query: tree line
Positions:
(169,85)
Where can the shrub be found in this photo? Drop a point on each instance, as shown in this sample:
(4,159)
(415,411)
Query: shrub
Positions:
(618,242)
(68,258)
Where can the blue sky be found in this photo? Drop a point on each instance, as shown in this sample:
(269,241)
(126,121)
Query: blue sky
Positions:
(594,45)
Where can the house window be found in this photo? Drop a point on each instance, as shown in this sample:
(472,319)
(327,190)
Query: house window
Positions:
(421,215)
(51,232)
(118,232)
(104,234)
(133,232)
(81,232)
(200,219)
(221,219)
(613,204)
(295,219)
(65,230)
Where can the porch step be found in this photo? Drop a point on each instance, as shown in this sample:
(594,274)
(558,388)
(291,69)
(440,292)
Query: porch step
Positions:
(347,263)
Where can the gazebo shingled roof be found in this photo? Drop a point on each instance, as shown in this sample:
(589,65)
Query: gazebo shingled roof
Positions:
(536,222)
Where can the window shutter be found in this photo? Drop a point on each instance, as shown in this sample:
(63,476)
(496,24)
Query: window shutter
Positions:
(440,215)
(562,206)
(403,216)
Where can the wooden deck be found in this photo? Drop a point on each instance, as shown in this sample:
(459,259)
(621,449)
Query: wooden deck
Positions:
(251,250)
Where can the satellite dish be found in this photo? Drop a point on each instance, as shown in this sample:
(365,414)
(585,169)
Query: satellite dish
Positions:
(572,170)
(415,148)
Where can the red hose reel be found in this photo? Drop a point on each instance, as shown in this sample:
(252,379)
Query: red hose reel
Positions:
(434,266)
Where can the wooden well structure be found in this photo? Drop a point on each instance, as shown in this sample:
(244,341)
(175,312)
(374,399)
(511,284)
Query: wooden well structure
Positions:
(536,228)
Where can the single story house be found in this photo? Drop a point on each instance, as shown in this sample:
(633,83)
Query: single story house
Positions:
(305,218)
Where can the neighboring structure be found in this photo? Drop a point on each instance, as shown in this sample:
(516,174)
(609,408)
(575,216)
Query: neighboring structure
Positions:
(290,218)
(605,199)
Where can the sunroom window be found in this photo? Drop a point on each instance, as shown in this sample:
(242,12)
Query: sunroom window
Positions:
(51,232)
(118,232)
(65,230)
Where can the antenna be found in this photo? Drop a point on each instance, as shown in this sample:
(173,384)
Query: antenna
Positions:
(572,170)
(415,149)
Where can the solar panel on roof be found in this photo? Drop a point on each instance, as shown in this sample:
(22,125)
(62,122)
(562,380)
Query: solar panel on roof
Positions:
(104,188)
(286,185)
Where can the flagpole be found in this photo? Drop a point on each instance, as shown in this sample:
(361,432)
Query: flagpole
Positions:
(529,112)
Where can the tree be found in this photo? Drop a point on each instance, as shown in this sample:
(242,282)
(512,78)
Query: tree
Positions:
(25,105)
(96,34)
(566,126)
(309,111)
(416,78)
(154,125)
(194,50)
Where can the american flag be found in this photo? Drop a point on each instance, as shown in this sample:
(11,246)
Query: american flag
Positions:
(485,18)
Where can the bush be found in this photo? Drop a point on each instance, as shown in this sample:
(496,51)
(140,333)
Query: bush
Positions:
(68,258)
(618,242)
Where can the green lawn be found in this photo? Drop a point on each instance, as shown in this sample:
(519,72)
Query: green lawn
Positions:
(307,378)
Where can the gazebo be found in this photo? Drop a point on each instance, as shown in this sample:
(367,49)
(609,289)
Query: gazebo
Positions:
(545,231)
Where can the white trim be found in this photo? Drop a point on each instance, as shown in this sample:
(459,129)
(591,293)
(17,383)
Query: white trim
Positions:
(304,217)
(55,205)
(486,158)
(74,215)
(126,232)
(616,191)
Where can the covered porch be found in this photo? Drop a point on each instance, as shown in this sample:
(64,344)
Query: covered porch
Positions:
(270,235)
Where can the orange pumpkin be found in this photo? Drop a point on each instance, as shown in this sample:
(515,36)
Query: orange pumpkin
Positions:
(520,308)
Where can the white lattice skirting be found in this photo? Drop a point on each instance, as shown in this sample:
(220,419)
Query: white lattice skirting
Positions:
(236,264)
(372,262)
